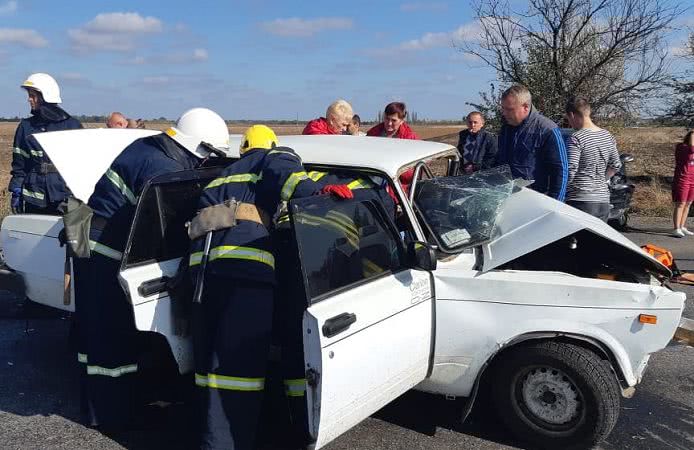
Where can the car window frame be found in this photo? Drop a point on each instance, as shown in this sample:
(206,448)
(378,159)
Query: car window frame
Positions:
(383,219)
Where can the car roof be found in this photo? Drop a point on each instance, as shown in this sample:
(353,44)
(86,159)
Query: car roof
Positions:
(384,154)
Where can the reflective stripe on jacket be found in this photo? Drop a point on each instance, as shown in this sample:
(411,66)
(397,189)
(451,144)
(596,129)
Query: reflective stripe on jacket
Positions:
(265,179)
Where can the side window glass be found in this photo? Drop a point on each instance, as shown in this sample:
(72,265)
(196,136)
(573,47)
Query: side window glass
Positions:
(159,233)
(344,242)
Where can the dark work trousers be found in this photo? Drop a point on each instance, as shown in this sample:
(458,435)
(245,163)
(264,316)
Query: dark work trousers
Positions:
(106,343)
(231,336)
(52,209)
(597,209)
(287,327)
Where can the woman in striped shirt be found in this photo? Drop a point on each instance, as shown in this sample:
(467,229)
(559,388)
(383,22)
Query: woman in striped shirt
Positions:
(593,159)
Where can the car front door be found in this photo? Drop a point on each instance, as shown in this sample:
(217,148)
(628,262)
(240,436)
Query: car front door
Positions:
(368,324)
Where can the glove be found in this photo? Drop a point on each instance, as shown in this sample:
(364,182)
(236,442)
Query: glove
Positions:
(16,201)
(338,190)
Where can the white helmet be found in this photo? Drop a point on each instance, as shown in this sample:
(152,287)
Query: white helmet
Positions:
(46,85)
(199,126)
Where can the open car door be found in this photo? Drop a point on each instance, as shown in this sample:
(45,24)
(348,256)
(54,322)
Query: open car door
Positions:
(158,239)
(368,327)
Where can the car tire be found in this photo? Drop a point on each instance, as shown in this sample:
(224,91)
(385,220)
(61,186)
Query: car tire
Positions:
(621,223)
(556,395)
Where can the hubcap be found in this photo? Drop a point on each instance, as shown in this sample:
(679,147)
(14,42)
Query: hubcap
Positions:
(551,395)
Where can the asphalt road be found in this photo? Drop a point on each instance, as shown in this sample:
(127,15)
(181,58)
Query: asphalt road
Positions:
(39,406)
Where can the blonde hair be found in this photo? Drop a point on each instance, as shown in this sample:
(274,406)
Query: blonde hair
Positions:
(340,108)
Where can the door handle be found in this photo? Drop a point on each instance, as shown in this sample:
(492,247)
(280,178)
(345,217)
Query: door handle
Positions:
(152,287)
(338,324)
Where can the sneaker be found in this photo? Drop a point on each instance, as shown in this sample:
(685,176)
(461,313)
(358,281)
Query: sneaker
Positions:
(686,231)
(678,233)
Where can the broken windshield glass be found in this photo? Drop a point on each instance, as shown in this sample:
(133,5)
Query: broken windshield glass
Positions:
(461,211)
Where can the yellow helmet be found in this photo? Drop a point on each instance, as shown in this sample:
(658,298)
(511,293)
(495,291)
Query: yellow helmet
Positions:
(258,136)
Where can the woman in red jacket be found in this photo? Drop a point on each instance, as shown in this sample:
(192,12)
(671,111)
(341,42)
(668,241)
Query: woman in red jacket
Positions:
(337,118)
(683,185)
(393,124)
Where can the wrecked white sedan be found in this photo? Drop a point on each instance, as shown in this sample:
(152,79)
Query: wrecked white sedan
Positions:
(477,282)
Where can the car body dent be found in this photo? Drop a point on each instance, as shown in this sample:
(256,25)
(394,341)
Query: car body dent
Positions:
(530,220)
(480,313)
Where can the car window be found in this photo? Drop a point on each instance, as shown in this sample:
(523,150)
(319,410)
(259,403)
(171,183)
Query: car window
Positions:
(461,211)
(158,232)
(344,242)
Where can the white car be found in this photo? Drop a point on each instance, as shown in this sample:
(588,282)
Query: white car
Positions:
(477,281)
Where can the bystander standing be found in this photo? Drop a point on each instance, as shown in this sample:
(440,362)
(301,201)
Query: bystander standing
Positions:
(477,146)
(116,120)
(683,185)
(531,144)
(593,159)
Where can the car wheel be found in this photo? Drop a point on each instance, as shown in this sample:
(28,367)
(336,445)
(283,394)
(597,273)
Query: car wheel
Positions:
(621,222)
(556,395)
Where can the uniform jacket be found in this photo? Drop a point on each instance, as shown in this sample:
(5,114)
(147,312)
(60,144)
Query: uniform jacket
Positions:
(264,178)
(377,184)
(117,191)
(535,150)
(32,170)
(404,132)
(484,155)
(319,126)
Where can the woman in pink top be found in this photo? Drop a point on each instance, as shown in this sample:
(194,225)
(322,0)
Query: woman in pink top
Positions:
(683,185)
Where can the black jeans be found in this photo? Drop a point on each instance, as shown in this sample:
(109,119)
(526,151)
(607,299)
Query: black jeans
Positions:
(599,210)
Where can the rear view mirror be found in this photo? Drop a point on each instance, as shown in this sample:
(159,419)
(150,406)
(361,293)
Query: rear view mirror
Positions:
(421,256)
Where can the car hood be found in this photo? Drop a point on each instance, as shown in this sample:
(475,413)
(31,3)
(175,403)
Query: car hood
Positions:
(83,156)
(530,220)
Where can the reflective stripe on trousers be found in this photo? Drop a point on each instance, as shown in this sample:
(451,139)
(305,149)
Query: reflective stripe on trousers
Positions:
(115,372)
(215,381)
(235,252)
(295,387)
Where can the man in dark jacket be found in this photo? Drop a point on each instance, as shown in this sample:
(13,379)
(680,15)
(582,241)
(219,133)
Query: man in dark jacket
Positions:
(107,338)
(35,185)
(232,325)
(532,145)
(477,146)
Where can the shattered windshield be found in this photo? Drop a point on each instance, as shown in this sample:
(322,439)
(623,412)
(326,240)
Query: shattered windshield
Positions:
(461,211)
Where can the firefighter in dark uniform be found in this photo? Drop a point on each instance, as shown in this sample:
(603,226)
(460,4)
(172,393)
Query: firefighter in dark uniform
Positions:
(232,324)
(107,347)
(36,186)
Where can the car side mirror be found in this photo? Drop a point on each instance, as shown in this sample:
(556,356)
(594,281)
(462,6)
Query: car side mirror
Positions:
(421,256)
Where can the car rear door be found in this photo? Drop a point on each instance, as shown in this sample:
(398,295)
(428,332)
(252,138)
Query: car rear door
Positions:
(368,327)
(157,242)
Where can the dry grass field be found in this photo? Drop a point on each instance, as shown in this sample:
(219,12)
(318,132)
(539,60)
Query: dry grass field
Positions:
(653,150)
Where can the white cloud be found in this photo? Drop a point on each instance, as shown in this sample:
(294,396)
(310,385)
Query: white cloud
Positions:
(22,36)
(186,57)
(200,54)
(156,81)
(118,32)
(465,32)
(297,27)
(424,6)
(8,8)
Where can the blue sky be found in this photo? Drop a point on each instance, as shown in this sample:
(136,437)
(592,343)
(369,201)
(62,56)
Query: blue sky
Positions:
(260,59)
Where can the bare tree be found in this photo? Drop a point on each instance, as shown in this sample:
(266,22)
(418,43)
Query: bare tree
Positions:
(681,105)
(612,52)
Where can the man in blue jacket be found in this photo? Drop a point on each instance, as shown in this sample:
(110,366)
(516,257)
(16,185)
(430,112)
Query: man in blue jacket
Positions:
(107,338)
(532,145)
(36,186)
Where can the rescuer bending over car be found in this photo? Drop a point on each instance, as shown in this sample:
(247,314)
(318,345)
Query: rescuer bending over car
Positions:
(233,267)
(107,346)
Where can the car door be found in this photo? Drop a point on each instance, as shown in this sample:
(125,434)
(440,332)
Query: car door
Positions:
(158,239)
(368,324)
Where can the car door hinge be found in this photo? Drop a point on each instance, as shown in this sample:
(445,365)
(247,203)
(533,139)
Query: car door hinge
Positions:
(312,377)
